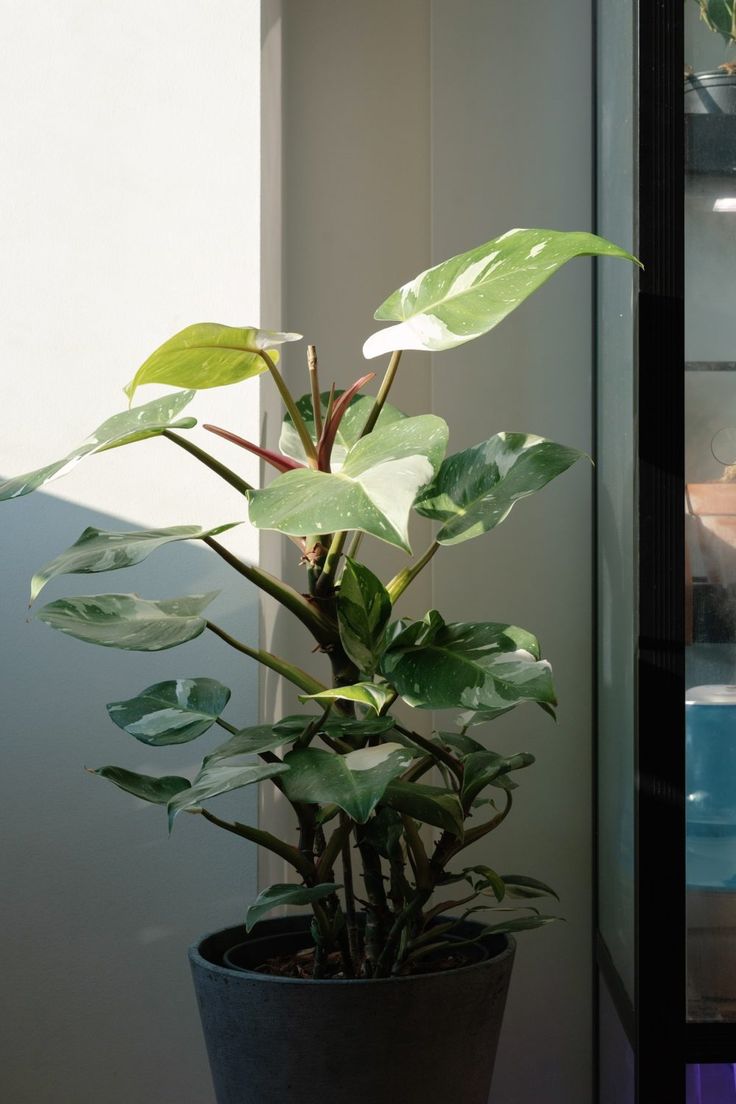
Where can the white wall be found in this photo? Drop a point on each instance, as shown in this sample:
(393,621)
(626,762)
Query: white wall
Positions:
(129,207)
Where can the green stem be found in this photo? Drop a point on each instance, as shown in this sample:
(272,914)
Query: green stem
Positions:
(434,750)
(322,628)
(383,391)
(314,388)
(299,423)
(294,674)
(264,839)
(400,582)
(326,578)
(411,912)
(350,915)
(205,458)
(331,851)
(418,852)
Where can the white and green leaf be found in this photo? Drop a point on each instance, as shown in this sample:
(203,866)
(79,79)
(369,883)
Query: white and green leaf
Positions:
(363,614)
(355,782)
(373,492)
(215,779)
(172,712)
(467,295)
(99,550)
(285,894)
(249,741)
(208,354)
(127,621)
(475,490)
(374,695)
(148,420)
(348,434)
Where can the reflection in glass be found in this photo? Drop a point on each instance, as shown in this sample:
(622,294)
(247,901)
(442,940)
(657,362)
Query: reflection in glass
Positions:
(711,1084)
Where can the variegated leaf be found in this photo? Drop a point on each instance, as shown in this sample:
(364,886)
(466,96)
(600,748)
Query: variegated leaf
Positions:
(370,694)
(215,779)
(468,295)
(171,712)
(348,434)
(127,621)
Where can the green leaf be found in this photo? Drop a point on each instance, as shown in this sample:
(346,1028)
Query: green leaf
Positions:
(475,490)
(522,923)
(98,550)
(285,894)
(214,780)
(519,885)
(373,492)
(144,421)
(349,431)
(478,665)
(356,782)
(353,730)
(159,791)
(468,295)
(248,741)
(458,741)
(363,693)
(171,712)
(363,613)
(127,621)
(209,355)
(488,879)
(484,767)
(429,804)
(719,16)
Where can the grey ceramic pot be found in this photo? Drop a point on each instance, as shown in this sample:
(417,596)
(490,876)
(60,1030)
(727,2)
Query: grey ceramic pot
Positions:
(428,1039)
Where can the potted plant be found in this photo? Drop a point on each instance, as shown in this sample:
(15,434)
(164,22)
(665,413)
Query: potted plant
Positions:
(384,990)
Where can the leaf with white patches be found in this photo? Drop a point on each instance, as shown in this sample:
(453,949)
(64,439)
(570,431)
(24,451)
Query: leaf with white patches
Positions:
(98,550)
(148,420)
(128,621)
(472,665)
(373,492)
(475,490)
(371,694)
(208,354)
(467,295)
(356,782)
(171,712)
(215,779)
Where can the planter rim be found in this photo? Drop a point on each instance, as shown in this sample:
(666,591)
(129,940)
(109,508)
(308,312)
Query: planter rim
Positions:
(198,959)
(709,76)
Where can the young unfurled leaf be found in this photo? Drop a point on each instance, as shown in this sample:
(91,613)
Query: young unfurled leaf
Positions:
(349,430)
(373,491)
(372,694)
(285,894)
(208,354)
(475,665)
(137,424)
(171,712)
(98,550)
(214,779)
(475,490)
(158,791)
(127,621)
(356,782)
(468,295)
(363,612)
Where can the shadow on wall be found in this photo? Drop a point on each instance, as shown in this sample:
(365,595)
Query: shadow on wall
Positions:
(100,905)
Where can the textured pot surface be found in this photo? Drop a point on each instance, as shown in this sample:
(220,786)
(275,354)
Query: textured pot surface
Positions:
(429,1039)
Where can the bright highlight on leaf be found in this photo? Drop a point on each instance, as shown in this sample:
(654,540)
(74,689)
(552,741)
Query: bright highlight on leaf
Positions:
(370,694)
(208,354)
(468,295)
(137,424)
(127,621)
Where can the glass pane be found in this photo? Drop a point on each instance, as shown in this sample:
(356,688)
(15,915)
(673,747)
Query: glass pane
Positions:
(710,532)
(711,1084)
(616,1075)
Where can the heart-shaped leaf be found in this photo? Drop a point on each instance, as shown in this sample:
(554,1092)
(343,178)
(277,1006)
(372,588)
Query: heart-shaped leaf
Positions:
(137,424)
(285,894)
(208,354)
(476,665)
(127,621)
(98,550)
(474,490)
(356,782)
(348,434)
(171,712)
(214,780)
(373,492)
(159,791)
(468,295)
(362,693)
(363,612)
(429,804)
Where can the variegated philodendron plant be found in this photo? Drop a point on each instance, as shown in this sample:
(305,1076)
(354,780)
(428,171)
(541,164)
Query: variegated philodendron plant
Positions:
(382,814)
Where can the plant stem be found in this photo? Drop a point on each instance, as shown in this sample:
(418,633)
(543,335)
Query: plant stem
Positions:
(294,674)
(383,391)
(214,465)
(434,750)
(314,387)
(326,578)
(412,911)
(322,628)
(355,543)
(299,424)
(418,852)
(400,582)
(352,922)
(474,834)
(331,851)
(264,839)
